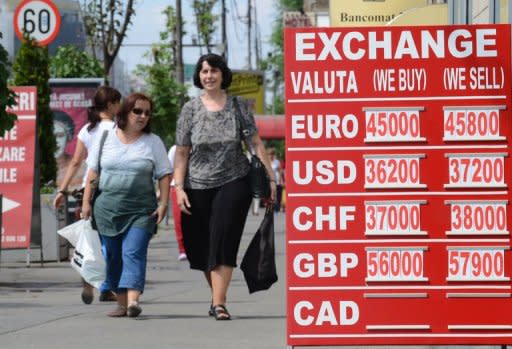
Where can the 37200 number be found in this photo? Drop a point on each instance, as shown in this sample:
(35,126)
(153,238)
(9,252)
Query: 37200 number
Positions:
(476,170)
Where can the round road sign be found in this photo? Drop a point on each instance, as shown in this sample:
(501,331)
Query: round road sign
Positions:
(39,18)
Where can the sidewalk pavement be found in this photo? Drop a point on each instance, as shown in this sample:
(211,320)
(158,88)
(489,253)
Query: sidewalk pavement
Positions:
(40,307)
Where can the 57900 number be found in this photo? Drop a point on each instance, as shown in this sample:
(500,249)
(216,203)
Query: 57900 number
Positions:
(476,264)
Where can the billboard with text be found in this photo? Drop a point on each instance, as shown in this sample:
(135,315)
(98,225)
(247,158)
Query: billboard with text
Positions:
(397,143)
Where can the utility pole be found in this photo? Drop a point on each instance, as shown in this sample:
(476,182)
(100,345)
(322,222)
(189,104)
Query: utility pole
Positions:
(178,40)
(224,35)
(257,39)
(249,53)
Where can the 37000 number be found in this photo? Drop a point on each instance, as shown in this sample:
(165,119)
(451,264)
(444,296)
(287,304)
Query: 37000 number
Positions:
(387,218)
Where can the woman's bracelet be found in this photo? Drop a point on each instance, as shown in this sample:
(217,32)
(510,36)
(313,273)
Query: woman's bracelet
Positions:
(63,192)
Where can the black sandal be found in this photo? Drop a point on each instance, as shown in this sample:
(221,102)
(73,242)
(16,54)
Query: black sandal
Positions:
(211,311)
(221,312)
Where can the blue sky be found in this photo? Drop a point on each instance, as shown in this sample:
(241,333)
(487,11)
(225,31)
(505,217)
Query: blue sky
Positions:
(149,22)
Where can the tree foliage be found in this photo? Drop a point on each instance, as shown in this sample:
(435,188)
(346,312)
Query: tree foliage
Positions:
(31,68)
(167,94)
(106,23)
(205,21)
(275,63)
(6,96)
(71,62)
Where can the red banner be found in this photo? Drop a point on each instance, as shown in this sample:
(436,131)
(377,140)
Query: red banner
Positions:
(17,156)
(397,185)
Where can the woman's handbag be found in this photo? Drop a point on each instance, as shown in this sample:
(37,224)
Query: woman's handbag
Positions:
(258,176)
(259,262)
(95,192)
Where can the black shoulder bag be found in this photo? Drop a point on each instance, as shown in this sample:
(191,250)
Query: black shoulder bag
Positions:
(258,176)
(96,182)
(259,261)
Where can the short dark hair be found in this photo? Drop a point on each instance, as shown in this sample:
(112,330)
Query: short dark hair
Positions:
(126,108)
(215,61)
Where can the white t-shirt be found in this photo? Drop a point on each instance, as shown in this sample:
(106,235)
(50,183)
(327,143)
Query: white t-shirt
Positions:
(88,137)
(276,167)
(145,155)
(171,155)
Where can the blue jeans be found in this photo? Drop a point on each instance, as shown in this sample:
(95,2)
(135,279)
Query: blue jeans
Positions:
(126,259)
(106,285)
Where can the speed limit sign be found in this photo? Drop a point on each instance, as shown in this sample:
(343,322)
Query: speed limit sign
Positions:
(40,19)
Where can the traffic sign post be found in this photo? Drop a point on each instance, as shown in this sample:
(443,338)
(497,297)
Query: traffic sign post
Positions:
(398,206)
(40,19)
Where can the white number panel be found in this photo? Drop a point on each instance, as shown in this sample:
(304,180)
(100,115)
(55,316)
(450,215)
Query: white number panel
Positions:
(395,264)
(393,218)
(478,217)
(393,124)
(486,263)
(393,171)
(472,123)
(482,170)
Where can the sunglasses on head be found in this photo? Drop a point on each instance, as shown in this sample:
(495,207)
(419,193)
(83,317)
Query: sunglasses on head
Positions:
(139,111)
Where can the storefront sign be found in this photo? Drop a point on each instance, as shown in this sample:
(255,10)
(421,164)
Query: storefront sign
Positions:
(17,154)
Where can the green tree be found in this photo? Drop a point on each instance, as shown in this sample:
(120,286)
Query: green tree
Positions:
(205,21)
(167,94)
(31,68)
(71,62)
(275,63)
(6,96)
(106,24)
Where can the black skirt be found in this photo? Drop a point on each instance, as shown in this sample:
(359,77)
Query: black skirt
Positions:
(212,233)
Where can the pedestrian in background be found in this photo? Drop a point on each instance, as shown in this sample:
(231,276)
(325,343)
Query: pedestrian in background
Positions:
(278,175)
(176,213)
(126,210)
(106,104)
(212,186)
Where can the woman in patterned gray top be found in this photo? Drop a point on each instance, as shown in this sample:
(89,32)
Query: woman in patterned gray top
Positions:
(211,177)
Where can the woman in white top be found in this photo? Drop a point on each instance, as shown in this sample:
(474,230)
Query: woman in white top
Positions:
(106,104)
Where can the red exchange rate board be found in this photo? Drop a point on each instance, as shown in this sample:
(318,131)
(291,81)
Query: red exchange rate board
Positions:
(397,152)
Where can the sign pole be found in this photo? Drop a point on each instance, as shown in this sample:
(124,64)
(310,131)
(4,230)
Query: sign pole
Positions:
(1,198)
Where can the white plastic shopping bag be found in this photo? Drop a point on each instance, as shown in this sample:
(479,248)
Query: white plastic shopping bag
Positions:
(87,259)
(72,232)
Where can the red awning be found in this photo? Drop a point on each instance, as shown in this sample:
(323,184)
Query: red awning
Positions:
(270,126)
